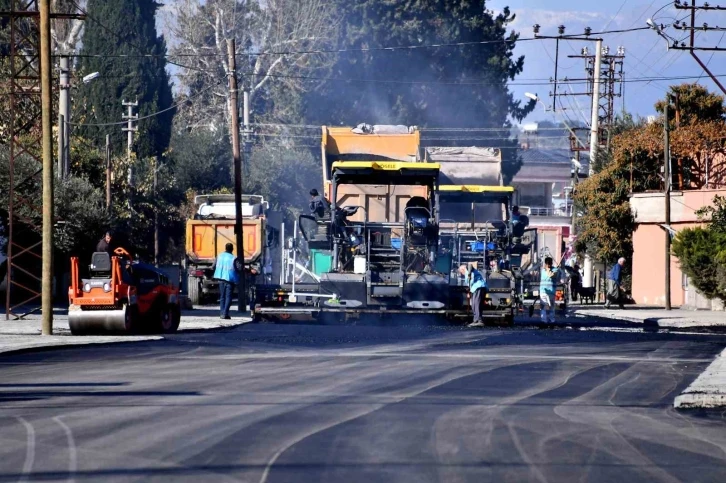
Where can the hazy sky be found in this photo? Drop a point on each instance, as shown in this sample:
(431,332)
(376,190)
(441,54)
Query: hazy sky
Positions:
(646,53)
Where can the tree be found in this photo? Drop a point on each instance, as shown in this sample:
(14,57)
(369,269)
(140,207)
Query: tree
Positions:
(634,165)
(695,103)
(201,159)
(275,42)
(447,86)
(284,175)
(120,42)
(701,251)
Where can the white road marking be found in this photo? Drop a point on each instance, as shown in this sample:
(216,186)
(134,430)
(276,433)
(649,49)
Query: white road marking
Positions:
(72,450)
(29,449)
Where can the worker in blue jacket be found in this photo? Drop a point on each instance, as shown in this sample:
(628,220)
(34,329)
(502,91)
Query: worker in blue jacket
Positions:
(225,272)
(547,282)
(478,288)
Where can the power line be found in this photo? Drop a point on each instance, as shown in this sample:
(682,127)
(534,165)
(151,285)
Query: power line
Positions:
(363,49)
(153,114)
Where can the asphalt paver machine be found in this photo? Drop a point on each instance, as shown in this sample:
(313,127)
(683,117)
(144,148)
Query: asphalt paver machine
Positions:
(476,229)
(380,266)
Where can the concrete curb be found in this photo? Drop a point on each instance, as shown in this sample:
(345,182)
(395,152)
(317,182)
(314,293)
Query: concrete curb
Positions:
(708,390)
(28,339)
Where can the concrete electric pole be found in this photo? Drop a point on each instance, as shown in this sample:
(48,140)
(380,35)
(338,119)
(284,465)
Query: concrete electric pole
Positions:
(594,141)
(64,118)
(130,129)
(108,173)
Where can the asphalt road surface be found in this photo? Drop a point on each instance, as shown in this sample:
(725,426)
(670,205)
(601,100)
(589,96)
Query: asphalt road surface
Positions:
(292,403)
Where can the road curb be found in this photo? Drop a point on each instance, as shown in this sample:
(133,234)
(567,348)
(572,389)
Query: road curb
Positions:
(709,388)
(36,343)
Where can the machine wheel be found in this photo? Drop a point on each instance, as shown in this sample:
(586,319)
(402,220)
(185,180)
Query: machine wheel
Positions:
(131,319)
(169,318)
(193,290)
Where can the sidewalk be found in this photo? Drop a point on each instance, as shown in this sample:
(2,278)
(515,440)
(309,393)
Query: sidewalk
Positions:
(708,390)
(654,317)
(18,335)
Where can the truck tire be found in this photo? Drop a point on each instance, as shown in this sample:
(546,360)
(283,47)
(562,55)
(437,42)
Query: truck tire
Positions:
(193,290)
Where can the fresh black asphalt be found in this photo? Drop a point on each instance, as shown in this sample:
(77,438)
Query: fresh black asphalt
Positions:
(302,403)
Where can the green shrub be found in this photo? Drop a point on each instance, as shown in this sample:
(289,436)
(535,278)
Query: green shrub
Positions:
(702,256)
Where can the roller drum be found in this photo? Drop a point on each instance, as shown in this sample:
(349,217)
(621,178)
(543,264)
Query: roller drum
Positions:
(111,321)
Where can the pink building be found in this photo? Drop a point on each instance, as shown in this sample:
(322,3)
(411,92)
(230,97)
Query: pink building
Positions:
(649,246)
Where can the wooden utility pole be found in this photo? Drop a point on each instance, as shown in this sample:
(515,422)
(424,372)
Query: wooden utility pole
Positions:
(667,196)
(46,114)
(238,227)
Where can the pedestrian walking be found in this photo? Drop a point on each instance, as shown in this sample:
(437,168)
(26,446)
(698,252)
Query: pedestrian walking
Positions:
(615,287)
(225,272)
(104,244)
(547,281)
(478,289)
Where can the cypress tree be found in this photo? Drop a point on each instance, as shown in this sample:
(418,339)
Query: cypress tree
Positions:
(125,28)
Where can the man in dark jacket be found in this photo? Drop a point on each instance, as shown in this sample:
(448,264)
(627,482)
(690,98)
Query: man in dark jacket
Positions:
(615,289)
(319,206)
(104,244)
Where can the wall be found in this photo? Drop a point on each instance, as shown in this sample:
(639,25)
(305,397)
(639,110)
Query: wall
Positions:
(649,246)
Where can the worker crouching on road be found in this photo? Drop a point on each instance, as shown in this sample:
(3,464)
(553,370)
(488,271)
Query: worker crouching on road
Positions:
(478,289)
(226,273)
(547,281)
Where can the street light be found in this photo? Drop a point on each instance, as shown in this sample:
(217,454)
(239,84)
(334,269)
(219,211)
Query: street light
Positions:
(90,77)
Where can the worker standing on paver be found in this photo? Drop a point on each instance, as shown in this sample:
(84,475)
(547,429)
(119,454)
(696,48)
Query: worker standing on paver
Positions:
(478,289)
(225,272)
(615,288)
(104,244)
(547,281)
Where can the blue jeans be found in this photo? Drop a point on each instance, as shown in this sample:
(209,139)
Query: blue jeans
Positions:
(225,297)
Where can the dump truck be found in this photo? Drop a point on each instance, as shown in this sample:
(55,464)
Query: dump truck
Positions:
(213,226)
(120,295)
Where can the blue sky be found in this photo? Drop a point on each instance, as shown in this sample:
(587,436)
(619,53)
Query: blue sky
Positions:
(646,53)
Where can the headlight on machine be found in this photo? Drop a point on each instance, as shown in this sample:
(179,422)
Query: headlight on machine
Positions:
(106,287)
(87,287)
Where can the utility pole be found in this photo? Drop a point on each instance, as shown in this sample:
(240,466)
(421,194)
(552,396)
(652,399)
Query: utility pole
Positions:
(667,196)
(130,129)
(46,112)
(238,226)
(594,132)
(64,118)
(156,216)
(692,28)
(575,181)
(108,173)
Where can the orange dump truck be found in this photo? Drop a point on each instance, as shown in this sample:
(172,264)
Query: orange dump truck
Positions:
(213,227)
(383,202)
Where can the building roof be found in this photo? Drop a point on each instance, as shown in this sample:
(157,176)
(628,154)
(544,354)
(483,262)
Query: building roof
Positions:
(547,165)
